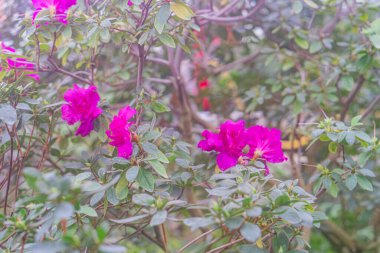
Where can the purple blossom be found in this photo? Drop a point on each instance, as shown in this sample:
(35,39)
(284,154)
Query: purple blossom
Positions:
(57,7)
(265,144)
(119,132)
(82,105)
(229,143)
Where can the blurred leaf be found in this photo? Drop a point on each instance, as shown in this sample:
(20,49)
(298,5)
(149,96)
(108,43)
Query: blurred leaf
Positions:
(159,218)
(181,10)
(250,232)
(162,17)
(146,180)
(87,210)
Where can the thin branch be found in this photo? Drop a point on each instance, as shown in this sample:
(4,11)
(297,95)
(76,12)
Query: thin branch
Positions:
(351,96)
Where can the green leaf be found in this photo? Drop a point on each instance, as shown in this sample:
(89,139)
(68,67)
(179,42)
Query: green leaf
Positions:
(234,222)
(198,222)
(364,183)
(146,180)
(315,47)
(162,17)
(311,4)
(132,173)
(333,190)
(167,40)
(375,40)
(159,218)
(356,120)
(351,182)
(297,6)
(290,215)
(288,100)
(159,107)
(143,199)
(301,42)
(8,114)
(87,210)
(333,147)
(130,219)
(121,189)
(152,149)
(159,168)
(250,232)
(181,10)
(350,137)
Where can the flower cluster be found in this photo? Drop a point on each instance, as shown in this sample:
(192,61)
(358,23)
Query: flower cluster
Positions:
(19,63)
(119,132)
(235,143)
(82,105)
(58,8)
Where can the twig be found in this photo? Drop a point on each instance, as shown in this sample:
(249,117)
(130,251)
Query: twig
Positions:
(351,96)
(195,239)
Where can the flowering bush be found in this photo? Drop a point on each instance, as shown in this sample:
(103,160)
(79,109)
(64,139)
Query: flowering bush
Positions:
(189,126)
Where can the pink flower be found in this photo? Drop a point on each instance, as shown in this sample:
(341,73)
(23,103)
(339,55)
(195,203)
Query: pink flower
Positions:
(56,7)
(229,143)
(206,104)
(7,50)
(130,3)
(119,132)
(19,63)
(204,84)
(265,144)
(82,105)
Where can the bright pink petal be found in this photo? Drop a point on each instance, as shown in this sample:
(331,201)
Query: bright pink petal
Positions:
(125,150)
(226,161)
(85,128)
(82,105)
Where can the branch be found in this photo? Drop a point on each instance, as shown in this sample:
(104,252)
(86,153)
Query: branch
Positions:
(371,106)
(228,20)
(351,96)
(236,63)
(65,72)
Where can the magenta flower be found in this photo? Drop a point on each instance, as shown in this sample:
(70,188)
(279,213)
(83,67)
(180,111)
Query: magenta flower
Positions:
(130,3)
(82,105)
(57,7)
(7,50)
(19,63)
(119,132)
(265,144)
(229,143)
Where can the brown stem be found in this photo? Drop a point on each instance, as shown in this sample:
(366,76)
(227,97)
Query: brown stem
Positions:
(351,97)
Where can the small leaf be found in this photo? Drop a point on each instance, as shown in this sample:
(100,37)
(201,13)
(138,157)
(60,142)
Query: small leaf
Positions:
(162,17)
(159,107)
(8,114)
(143,199)
(87,210)
(301,42)
(250,232)
(181,10)
(121,189)
(351,182)
(333,147)
(167,40)
(159,218)
(132,173)
(297,6)
(146,180)
(234,222)
(159,168)
(130,219)
(311,4)
(364,183)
